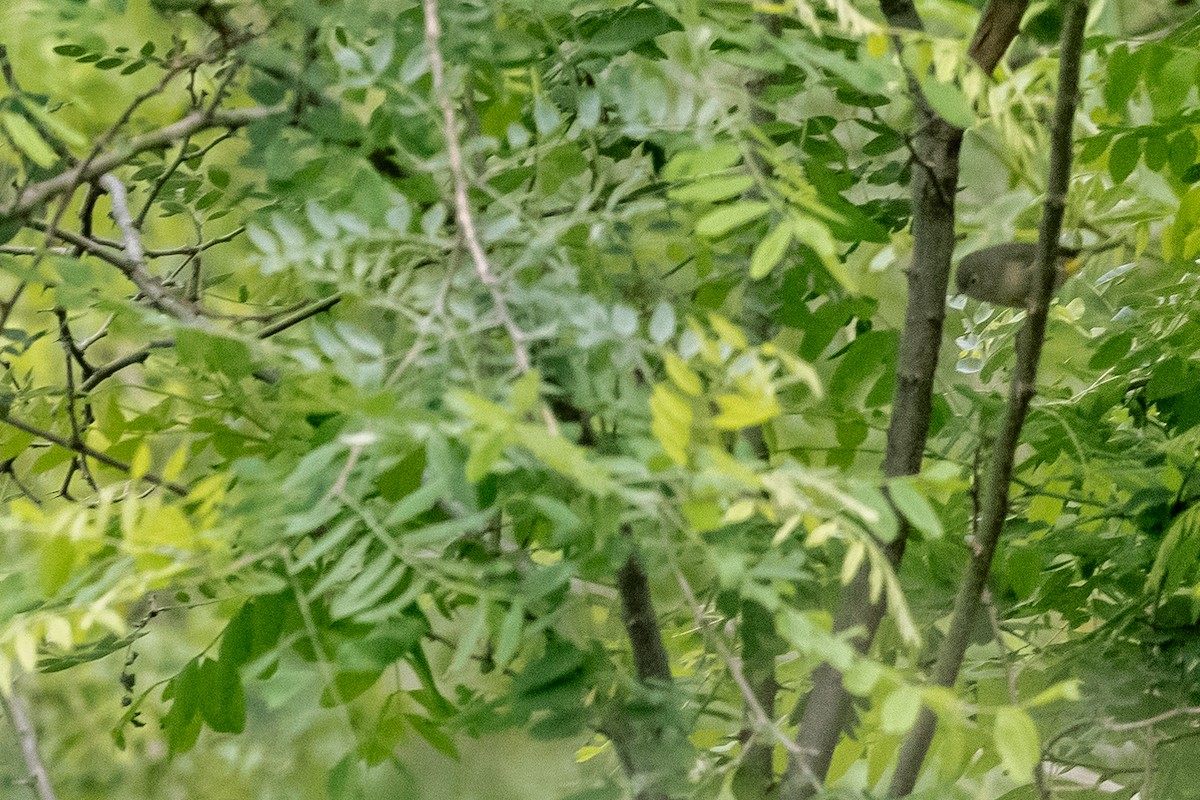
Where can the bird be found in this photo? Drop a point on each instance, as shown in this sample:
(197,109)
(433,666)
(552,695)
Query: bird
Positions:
(1003,274)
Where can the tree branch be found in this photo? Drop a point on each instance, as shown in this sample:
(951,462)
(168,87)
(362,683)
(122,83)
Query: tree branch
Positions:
(462,207)
(18,716)
(994,505)
(641,624)
(997,28)
(91,452)
(134,266)
(36,194)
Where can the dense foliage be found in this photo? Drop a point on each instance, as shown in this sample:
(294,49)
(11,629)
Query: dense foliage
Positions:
(468,398)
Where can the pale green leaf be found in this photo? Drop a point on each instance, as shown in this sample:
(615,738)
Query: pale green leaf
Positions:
(1017,742)
(723,220)
(770,251)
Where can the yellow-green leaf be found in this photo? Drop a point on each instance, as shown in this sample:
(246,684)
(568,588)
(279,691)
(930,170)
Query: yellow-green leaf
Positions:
(721,221)
(175,463)
(727,332)
(485,452)
(1017,742)
(26,139)
(900,709)
(589,751)
(770,251)
(140,464)
(742,411)
(525,391)
(55,123)
(877,45)
(671,422)
(682,375)
(712,190)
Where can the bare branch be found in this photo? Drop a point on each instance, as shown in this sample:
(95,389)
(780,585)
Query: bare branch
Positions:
(733,663)
(18,717)
(997,28)
(36,194)
(299,316)
(91,452)
(105,371)
(135,261)
(462,206)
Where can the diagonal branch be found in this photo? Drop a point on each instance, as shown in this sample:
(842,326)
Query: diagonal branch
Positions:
(105,371)
(91,452)
(18,716)
(134,264)
(37,193)
(462,206)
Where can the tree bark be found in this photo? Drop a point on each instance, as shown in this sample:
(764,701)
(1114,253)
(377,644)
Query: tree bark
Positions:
(640,740)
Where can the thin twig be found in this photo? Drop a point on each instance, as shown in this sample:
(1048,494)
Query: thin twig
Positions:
(91,452)
(462,206)
(733,663)
(301,315)
(106,371)
(1014,697)
(135,268)
(18,716)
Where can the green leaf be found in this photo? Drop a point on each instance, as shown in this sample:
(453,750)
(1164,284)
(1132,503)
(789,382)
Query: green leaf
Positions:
(770,250)
(402,479)
(671,422)
(721,221)
(629,28)
(949,102)
(1113,350)
(744,410)
(26,139)
(486,450)
(54,123)
(368,588)
(510,634)
(900,709)
(1156,152)
(433,735)
(1016,739)
(1124,73)
(475,626)
(698,163)
(915,507)
(682,375)
(1123,157)
(1182,152)
(711,190)
(343,782)
(525,392)
(222,701)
